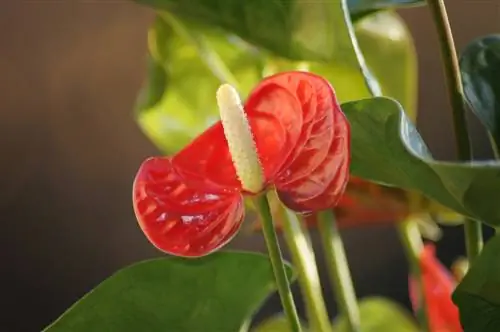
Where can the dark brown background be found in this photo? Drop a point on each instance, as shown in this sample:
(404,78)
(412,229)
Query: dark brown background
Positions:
(69,148)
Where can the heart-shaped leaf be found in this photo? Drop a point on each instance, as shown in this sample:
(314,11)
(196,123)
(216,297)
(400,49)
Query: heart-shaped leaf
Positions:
(480,66)
(380,315)
(219,292)
(387,148)
(478,295)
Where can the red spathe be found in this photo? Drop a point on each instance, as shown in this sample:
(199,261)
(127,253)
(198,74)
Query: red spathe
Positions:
(191,204)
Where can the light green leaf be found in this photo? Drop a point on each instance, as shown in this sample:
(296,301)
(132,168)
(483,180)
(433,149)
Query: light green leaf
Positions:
(275,324)
(387,148)
(380,315)
(218,292)
(480,66)
(389,51)
(186,68)
(295,29)
(478,295)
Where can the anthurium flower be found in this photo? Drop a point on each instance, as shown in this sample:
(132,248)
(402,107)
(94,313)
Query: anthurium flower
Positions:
(438,284)
(190,204)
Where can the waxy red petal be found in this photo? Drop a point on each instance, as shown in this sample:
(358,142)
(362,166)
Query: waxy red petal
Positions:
(179,219)
(191,204)
(275,102)
(314,173)
(438,286)
(206,162)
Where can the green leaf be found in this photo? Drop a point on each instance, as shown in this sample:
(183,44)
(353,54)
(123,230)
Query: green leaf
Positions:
(480,66)
(278,323)
(478,294)
(387,148)
(218,292)
(389,51)
(380,315)
(299,29)
(377,315)
(186,68)
(357,7)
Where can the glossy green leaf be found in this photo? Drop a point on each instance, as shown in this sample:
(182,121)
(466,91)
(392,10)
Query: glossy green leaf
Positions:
(480,66)
(380,315)
(275,324)
(218,292)
(478,295)
(387,148)
(186,68)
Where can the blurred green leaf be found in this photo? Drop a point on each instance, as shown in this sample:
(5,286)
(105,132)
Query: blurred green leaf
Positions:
(358,7)
(277,323)
(186,68)
(189,66)
(379,315)
(478,295)
(480,66)
(294,29)
(219,292)
(387,148)
(389,51)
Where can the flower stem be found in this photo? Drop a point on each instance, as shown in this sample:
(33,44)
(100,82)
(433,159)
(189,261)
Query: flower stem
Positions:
(473,231)
(276,258)
(473,238)
(339,269)
(303,258)
(413,245)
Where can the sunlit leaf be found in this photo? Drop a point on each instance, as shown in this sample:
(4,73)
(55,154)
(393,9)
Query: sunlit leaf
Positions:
(219,292)
(389,51)
(186,68)
(380,315)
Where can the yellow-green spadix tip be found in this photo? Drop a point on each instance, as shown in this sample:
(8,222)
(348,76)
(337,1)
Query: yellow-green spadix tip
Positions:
(240,139)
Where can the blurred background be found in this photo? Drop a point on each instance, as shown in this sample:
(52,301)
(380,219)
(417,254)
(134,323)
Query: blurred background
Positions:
(69,146)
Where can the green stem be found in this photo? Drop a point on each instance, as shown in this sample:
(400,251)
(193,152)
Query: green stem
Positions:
(473,231)
(277,263)
(413,245)
(473,238)
(339,269)
(303,259)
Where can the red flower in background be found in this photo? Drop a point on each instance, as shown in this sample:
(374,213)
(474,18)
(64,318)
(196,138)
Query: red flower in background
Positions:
(191,204)
(438,286)
(363,203)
